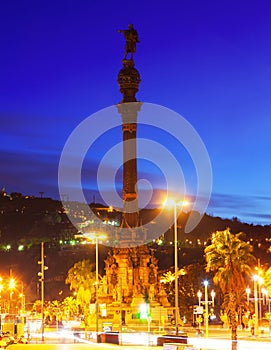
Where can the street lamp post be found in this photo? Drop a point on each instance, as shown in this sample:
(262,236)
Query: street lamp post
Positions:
(95,237)
(256,311)
(11,288)
(22,296)
(206,302)
(260,295)
(176,269)
(267,301)
(41,274)
(120,325)
(173,203)
(97,286)
(42,289)
(206,309)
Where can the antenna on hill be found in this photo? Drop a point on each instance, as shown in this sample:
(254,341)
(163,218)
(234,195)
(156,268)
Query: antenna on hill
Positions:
(64,197)
(41,194)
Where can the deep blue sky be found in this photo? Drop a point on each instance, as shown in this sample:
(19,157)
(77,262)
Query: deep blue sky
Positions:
(210,61)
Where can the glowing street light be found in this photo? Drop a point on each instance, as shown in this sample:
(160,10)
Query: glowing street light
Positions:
(11,284)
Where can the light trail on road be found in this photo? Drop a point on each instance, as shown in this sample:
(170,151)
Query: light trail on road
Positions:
(222,344)
(64,340)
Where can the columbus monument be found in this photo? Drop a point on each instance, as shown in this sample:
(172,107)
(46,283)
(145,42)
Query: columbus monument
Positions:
(131,269)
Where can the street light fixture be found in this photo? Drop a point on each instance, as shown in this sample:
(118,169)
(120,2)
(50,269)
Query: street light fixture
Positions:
(174,204)
(96,237)
(256,311)
(257,283)
(213,297)
(206,309)
(206,302)
(42,281)
(267,300)
(260,295)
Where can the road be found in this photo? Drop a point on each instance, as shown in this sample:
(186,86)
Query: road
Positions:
(210,344)
(219,339)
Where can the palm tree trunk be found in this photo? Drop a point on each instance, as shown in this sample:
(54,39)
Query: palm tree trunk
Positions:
(234,337)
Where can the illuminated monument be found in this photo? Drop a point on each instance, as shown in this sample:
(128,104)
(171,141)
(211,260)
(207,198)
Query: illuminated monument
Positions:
(129,79)
(131,269)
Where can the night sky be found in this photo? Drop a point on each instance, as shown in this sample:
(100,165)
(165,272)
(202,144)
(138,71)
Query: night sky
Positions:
(210,61)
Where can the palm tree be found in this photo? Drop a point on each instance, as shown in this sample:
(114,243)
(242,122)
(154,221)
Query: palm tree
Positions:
(70,307)
(81,278)
(231,259)
(168,279)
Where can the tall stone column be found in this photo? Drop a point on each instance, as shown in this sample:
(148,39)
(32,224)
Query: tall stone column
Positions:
(129,79)
(131,268)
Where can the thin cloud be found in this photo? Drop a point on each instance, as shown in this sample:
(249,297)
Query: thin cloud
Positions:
(245,207)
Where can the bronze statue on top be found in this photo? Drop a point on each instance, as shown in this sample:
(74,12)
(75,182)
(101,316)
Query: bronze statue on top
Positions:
(131,37)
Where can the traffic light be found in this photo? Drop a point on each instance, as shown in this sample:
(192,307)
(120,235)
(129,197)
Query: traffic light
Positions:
(42,266)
